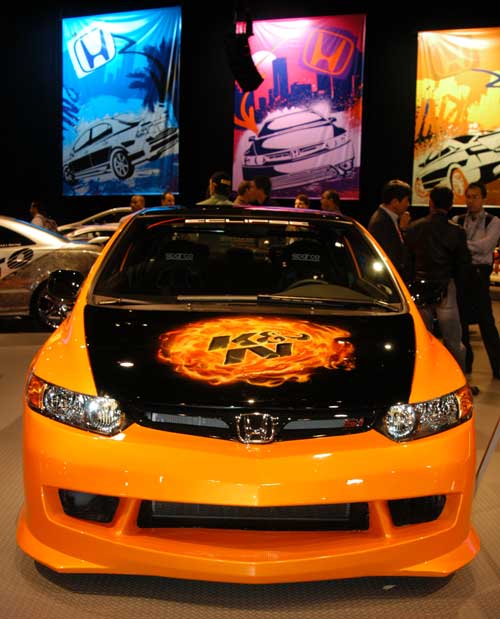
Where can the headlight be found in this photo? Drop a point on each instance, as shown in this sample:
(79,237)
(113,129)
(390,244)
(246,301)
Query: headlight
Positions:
(93,413)
(406,422)
(255,160)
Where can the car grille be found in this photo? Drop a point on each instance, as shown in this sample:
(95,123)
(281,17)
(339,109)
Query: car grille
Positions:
(336,517)
(301,151)
(309,176)
(290,424)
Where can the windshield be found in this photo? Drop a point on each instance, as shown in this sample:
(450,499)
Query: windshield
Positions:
(173,259)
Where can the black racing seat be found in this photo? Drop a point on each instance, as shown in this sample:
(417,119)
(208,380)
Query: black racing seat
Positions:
(303,260)
(182,267)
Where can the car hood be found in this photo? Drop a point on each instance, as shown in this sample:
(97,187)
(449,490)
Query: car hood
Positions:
(177,358)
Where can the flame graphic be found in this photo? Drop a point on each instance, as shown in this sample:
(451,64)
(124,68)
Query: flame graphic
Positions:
(247,119)
(264,351)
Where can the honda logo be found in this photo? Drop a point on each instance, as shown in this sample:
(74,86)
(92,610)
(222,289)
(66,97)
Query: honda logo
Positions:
(255,427)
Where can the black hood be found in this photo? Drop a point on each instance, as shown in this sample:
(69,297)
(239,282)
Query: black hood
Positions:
(167,358)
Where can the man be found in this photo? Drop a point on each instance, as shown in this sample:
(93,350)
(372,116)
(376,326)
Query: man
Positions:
(219,188)
(246,193)
(263,188)
(40,217)
(330,201)
(439,255)
(37,214)
(167,199)
(137,203)
(302,201)
(483,232)
(384,224)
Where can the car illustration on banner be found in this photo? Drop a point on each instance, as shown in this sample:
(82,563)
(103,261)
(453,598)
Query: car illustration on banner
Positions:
(117,145)
(299,148)
(246,395)
(28,256)
(462,160)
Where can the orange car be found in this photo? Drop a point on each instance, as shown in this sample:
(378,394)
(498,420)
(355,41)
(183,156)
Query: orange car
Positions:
(246,395)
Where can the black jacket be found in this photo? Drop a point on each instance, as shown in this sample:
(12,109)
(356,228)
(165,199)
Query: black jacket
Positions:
(437,249)
(382,227)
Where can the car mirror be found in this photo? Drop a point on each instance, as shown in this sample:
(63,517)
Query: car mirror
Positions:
(65,284)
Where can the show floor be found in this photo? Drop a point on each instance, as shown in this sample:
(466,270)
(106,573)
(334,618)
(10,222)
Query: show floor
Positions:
(29,590)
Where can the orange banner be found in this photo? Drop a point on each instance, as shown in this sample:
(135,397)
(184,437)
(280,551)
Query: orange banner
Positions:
(457,128)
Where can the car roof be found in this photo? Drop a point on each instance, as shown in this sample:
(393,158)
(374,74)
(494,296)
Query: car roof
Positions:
(257,212)
(42,235)
(109,211)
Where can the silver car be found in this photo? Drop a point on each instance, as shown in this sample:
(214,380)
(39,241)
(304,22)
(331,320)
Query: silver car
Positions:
(97,234)
(109,216)
(28,255)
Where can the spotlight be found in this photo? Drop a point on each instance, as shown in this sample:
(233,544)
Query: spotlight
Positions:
(240,58)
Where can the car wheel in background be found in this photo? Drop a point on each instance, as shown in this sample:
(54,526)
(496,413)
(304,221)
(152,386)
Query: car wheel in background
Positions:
(69,176)
(120,164)
(420,189)
(458,182)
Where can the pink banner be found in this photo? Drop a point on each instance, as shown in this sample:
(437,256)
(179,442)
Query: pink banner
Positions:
(302,126)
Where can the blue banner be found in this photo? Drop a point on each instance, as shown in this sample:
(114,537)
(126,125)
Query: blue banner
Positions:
(120,103)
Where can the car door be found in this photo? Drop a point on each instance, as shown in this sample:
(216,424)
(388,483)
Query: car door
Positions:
(17,252)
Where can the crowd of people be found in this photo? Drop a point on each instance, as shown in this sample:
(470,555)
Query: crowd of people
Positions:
(452,259)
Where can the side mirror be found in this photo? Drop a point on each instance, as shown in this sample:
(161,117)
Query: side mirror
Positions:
(65,284)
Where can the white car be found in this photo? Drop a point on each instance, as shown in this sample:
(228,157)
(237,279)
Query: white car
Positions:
(28,256)
(97,234)
(109,216)
(460,161)
(117,145)
(298,148)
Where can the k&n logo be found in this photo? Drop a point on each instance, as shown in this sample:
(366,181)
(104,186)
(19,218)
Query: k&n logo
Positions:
(265,344)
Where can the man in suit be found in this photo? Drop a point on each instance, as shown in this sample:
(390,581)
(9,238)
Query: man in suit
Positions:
(483,232)
(389,219)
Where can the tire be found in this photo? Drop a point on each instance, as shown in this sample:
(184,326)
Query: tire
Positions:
(121,166)
(47,311)
(458,182)
(69,175)
(420,189)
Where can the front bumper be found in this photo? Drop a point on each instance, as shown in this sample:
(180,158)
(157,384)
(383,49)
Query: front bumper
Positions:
(145,464)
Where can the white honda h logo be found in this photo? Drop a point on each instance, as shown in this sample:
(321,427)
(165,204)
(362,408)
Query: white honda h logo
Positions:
(255,427)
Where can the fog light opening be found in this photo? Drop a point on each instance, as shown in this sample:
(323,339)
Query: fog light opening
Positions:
(86,506)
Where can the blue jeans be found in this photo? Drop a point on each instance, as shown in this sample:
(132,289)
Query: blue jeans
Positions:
(448,318)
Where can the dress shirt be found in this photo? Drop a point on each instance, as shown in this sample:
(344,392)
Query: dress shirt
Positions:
(481,238)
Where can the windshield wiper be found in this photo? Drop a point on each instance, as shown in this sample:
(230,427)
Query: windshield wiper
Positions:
(350,303)
(122,301)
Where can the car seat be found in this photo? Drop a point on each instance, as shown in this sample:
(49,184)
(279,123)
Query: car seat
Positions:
(303,260)
(182,267)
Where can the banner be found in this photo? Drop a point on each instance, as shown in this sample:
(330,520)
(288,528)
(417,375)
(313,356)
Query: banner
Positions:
(302,126)
(457,130)
(120,103)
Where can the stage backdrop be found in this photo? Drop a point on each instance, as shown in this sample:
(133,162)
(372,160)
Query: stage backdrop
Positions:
(302,125)
(457,132)
(121,102)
